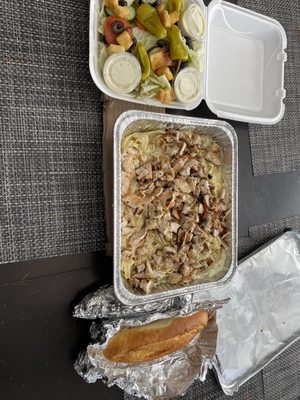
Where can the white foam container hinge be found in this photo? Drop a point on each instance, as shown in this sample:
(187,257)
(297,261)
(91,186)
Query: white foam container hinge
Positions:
(243,75)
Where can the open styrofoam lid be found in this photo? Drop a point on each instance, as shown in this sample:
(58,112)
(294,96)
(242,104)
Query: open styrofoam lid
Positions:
(245,64)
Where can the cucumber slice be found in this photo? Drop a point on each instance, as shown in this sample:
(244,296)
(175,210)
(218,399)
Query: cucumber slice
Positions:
(132,13)
(108,12)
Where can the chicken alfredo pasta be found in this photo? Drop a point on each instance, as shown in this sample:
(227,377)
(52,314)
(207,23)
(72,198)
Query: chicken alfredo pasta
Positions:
(175,208)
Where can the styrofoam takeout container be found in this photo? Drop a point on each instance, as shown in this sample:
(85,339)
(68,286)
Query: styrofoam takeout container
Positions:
(243,76)
(225,136)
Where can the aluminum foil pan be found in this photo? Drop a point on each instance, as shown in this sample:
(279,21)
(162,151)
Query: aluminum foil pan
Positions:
(225,136)
(263,317)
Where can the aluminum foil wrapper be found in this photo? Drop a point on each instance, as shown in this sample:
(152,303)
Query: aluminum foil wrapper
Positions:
(165,377)
(168,376)
(104,304)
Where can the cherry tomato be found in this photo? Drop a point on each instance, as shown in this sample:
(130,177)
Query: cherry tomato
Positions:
(109,34)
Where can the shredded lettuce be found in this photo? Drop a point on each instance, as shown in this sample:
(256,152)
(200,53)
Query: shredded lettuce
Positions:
(102,55)
(147,38)
(150,86)
(101,18)
(196,55)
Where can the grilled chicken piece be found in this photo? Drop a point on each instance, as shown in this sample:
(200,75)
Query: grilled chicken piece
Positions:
(146,286)
(144,172)
(182,185)
(126,179)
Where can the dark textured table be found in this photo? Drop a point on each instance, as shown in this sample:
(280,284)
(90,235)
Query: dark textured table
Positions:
(51,203)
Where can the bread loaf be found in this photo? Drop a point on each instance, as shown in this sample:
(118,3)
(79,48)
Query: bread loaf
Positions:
(154,340)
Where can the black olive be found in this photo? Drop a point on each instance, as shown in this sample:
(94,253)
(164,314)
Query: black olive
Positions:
(157,3)
(117,26)
(122,3)
(133,46)
(189,42)
(209,176)
(164,44)
(184,64)
(101,38)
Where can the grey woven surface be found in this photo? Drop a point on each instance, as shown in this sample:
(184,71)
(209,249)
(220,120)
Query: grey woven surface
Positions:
(276,148)
(51,198)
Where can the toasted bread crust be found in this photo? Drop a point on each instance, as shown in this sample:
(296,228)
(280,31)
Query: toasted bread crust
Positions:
(151,341)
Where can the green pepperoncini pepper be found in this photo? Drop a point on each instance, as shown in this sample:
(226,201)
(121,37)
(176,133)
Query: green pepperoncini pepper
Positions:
(177,48)
(174,5)
(143,58)
(148,17)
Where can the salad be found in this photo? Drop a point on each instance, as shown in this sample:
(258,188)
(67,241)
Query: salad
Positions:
(152,48)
